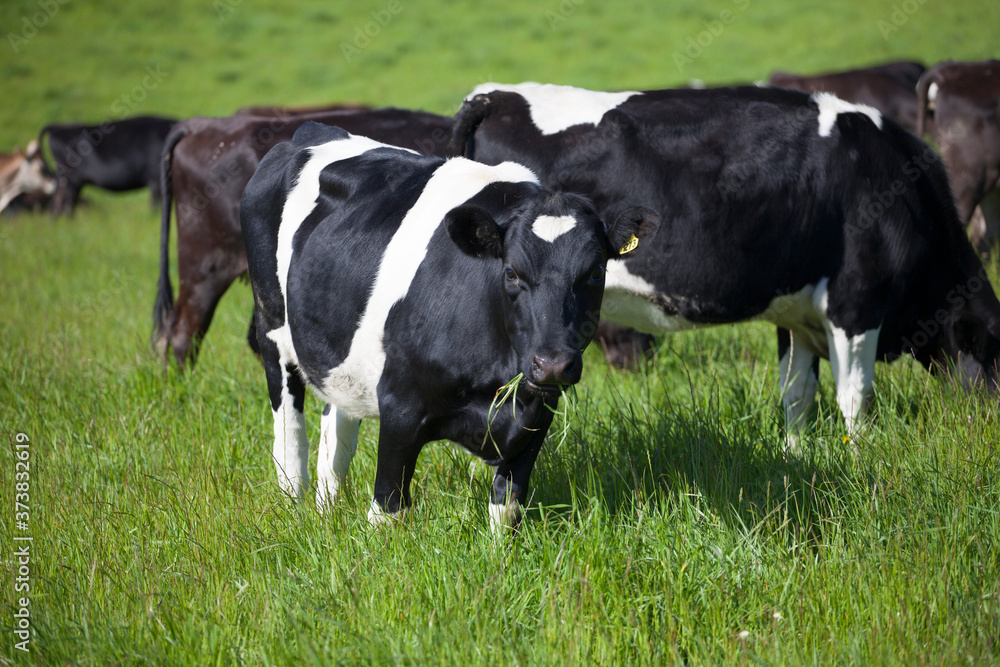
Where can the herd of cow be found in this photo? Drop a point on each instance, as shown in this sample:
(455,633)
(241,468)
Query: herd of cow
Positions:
(407,265)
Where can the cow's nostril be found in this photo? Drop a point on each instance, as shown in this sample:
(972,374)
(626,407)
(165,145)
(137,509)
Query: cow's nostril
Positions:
(558,369)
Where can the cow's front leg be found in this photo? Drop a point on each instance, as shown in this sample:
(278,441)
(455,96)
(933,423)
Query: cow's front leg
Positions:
(852,360)
(337,445)
(398,448)
(509,492)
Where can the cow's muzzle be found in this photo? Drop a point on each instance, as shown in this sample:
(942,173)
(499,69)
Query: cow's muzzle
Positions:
(549,371)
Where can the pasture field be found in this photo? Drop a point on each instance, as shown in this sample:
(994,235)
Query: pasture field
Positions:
(667,524)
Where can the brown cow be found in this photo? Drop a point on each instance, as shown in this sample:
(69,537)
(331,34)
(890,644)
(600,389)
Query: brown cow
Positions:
(959,108)
(890,88)
(24,172)
(206,164)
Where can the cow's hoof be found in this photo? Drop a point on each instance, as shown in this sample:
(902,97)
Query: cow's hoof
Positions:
(377,517)
(504,518)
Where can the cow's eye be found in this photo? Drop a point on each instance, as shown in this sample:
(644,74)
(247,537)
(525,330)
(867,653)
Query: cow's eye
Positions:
(597,274)
(510,274)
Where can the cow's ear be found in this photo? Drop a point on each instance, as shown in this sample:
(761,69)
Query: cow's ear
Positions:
(32,149)
(633,227)
(474,231)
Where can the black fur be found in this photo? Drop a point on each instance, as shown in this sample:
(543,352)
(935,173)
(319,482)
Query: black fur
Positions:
(756,204)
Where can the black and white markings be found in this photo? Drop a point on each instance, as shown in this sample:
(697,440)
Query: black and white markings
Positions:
(556,108)
(765,196)
(415,304)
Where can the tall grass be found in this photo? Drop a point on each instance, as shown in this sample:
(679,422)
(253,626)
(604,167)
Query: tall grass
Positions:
(666,523)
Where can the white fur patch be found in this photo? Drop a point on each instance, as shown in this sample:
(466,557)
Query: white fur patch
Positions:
(551,227)
(932,93)
(504,516)
(352,386)
(803,312)
(831,106)
(631,300)
(554,108)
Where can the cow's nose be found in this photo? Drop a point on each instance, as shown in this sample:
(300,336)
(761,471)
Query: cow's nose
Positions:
(558,369)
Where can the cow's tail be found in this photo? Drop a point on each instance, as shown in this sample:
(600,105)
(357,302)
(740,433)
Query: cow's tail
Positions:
(468,118)
(164,303)
(925,99)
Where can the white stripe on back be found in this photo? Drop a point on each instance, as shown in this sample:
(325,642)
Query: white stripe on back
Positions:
(554,108)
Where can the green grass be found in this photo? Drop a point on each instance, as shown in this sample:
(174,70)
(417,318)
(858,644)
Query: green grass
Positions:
(665,520)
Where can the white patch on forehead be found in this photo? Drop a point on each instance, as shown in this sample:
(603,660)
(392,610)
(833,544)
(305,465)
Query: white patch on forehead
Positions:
(352,386)
(831,106)
(554,108)
(551,227)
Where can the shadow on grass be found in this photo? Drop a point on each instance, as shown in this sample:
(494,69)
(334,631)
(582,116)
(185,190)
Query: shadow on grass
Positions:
(720,443)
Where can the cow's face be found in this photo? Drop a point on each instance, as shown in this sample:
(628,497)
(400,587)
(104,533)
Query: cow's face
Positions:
(973,353)
(32,175)
(966,349)
(554,251)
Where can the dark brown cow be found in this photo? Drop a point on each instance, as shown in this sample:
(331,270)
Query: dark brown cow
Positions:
(959,107)
(24,172)
(206,164)
(890,88)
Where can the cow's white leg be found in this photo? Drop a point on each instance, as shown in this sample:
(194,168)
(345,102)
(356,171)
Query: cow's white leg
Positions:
(798,383)
(337,444)
(291,447)
(852,360)
(504,515)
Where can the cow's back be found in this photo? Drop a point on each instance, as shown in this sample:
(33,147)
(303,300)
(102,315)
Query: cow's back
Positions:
(337,216)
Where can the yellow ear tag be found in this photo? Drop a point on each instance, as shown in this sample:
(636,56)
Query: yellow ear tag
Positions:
(632,244)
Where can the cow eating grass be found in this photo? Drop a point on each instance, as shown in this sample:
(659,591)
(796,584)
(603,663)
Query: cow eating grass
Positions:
(412,288)
(820,216)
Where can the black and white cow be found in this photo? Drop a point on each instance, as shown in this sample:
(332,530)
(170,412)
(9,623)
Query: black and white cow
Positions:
(817,215)
(412,288)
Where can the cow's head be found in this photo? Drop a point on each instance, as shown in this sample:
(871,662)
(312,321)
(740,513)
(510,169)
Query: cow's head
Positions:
(553,251)
(972,352)
(964,339)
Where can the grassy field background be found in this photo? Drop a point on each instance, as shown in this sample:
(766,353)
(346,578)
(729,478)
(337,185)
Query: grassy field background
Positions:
(667,525)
